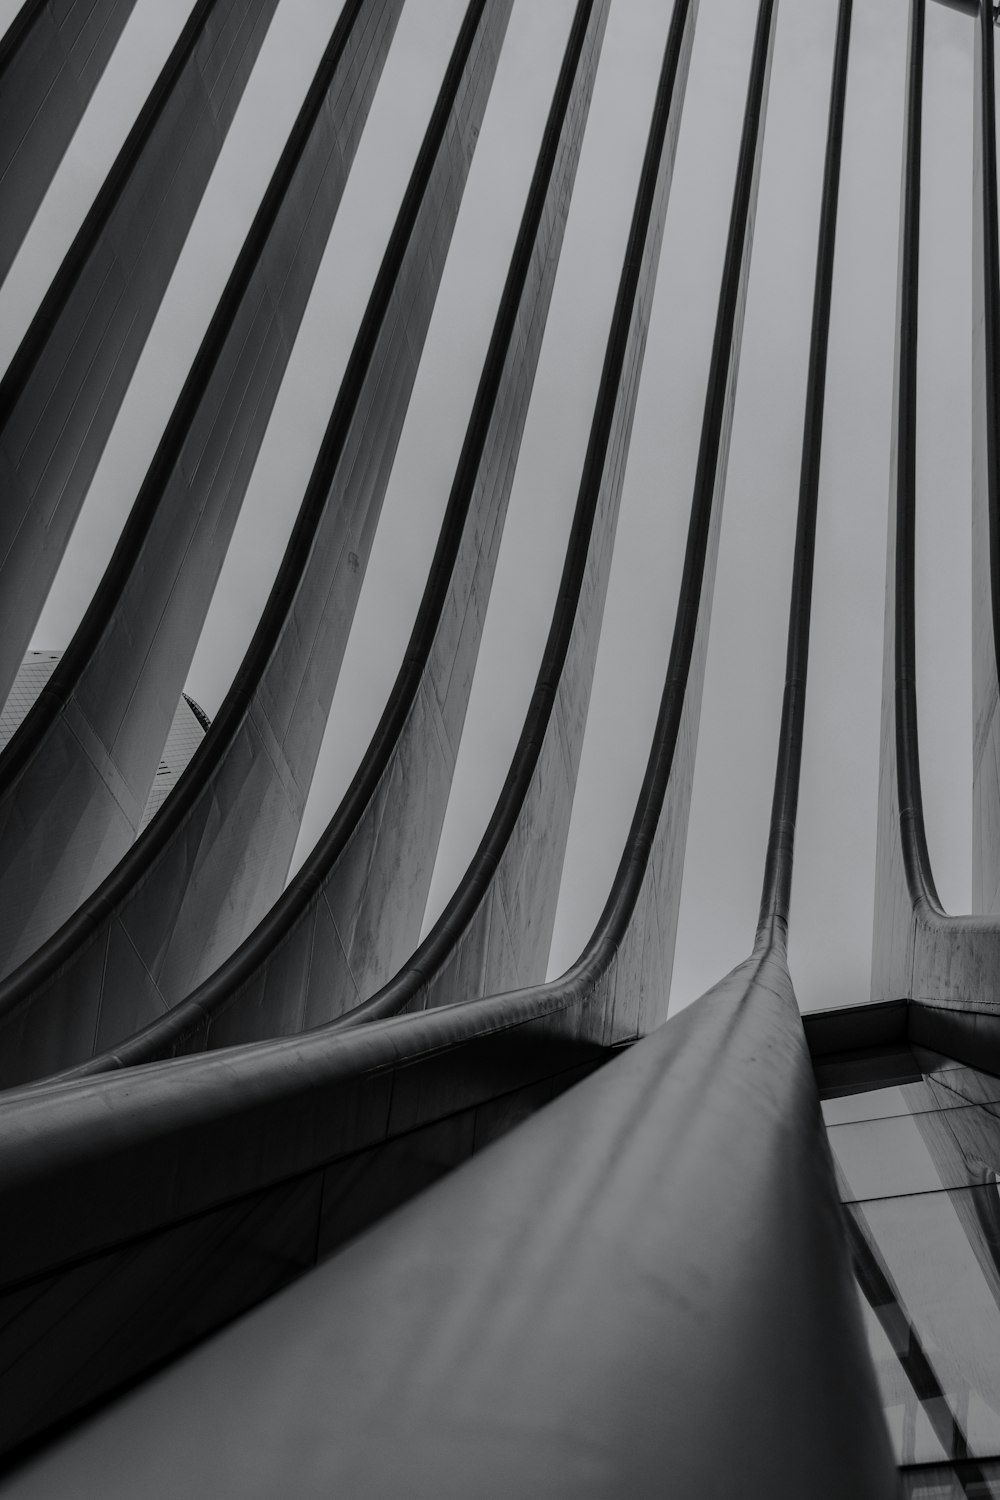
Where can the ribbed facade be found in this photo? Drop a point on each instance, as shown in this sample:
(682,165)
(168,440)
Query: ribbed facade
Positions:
(187,729)
(304,1193)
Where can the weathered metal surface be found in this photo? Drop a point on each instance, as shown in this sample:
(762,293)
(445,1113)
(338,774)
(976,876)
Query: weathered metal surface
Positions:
(76,779)
(209,867)
(51,60)
(553,1319)
(63,389)
(352,914)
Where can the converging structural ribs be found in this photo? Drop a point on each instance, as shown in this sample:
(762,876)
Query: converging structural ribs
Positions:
(544,1239)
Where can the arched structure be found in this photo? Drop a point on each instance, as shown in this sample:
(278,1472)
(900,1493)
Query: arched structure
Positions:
(216,1079)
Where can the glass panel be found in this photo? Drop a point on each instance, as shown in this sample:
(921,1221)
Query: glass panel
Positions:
(913,1433)
(919,1153)
(936,1062)
(929,1270)
(918,1165)
(955,1482)
(969,1086)
(972,1085)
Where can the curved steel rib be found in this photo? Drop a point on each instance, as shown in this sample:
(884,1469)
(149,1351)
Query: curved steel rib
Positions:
(75,779)
(309,1138)
(512,882)
(62,391)
(775,904)
(985,485)
(353,912)
(494,933)
(947,964)
(50,64)
(215,858)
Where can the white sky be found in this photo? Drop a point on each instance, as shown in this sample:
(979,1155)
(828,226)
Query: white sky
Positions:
(833,896)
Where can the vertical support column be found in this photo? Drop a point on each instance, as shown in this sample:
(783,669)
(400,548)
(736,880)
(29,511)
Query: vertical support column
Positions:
(51,61)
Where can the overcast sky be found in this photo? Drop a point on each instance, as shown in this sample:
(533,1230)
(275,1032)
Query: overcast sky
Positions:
(833,895)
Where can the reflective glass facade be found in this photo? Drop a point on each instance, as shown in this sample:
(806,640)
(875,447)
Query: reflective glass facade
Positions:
(918,1168)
